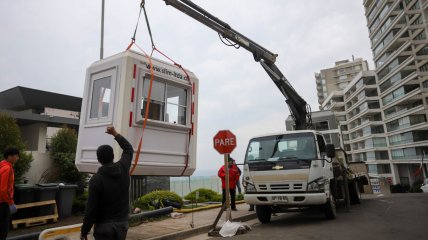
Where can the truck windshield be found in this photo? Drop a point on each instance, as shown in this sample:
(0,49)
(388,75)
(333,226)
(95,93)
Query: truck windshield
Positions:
(299,146)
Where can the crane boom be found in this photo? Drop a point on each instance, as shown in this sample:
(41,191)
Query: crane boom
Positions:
(299,109)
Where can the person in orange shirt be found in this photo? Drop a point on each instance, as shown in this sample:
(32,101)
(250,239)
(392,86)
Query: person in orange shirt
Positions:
(7,179)
(233,178)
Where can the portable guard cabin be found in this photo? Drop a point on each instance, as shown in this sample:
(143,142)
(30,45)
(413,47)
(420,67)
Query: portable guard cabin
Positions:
(116,92)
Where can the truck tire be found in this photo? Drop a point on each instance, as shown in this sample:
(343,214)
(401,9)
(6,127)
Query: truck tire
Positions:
(330,208)
(264,213)
(354,192)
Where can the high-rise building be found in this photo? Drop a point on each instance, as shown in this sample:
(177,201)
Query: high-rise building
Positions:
(358,114)
(337,77)
(398,34)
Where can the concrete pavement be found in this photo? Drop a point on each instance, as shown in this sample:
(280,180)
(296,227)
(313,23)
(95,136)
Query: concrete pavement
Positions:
(181,228)
(168,228)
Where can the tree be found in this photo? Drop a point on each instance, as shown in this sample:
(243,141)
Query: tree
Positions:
(63,152)
(10,136)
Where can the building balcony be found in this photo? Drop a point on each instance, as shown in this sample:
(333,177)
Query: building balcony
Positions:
(377,20)
(374,107)
(404,109)
(394,52)
(406,122)
(396,64)
(392,43)
(409,138)
(400,94)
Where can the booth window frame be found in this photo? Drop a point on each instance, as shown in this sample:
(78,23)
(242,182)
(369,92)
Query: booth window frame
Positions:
(100,119)
(144,77)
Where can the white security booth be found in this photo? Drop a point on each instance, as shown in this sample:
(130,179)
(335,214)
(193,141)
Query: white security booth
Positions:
(116,93)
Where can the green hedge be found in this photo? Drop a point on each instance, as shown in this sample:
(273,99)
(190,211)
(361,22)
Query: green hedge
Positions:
(208,195)
(146,202)
(79,202)
(205,195)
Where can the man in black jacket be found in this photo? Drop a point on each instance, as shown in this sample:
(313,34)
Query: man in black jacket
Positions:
(108,200)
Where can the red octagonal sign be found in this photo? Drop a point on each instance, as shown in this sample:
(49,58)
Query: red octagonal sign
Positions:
(224,142)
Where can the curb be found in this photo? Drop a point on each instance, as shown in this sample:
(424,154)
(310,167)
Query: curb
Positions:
(203,208)
(199,230)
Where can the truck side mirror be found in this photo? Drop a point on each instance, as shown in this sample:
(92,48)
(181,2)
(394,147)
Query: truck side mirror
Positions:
(330,150)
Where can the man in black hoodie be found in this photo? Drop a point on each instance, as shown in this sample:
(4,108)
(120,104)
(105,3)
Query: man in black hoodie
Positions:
(108,200)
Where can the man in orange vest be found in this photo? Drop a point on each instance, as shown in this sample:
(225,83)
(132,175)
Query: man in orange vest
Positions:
(7,179)
(233,178)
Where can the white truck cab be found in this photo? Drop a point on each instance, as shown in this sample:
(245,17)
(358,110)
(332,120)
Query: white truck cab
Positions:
(290,170)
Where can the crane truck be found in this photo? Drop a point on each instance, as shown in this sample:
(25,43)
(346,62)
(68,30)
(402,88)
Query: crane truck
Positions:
(288,170)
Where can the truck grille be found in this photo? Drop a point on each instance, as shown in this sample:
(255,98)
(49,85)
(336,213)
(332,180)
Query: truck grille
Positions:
(282,187)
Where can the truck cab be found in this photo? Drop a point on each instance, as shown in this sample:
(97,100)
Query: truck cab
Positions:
(288,170)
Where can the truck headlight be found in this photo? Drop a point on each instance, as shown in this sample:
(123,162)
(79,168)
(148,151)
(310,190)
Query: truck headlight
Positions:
(316,186)
(249,187)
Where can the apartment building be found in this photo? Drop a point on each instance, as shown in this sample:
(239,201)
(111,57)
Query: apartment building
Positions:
(337,77)
(358,113)
(322,121)
(398,34)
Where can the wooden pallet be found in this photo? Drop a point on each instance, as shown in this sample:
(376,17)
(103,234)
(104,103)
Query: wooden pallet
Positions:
(34,221)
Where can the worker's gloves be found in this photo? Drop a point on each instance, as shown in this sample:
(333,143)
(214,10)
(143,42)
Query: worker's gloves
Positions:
(12,209)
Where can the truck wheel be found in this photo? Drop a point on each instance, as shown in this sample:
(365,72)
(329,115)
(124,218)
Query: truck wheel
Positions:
(263,213)
(330,208)
(354,192)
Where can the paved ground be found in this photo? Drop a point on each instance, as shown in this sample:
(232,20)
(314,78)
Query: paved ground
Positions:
(171,226)
(398,216)
(153,229)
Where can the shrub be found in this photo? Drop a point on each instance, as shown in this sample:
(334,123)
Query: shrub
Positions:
(63,152)
(10,136)
(79,202)
(205,195)
(240,197)
(151,200)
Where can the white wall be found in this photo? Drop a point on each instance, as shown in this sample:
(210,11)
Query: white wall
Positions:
(41,162)
(34,136)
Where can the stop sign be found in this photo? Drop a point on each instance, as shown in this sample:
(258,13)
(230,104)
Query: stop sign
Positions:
(224,142)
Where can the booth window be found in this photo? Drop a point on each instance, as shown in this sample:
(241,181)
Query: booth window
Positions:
(100,102)
(167,102)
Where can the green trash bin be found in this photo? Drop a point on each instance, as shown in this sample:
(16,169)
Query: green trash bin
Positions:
(46,192)
(24,193)
(64,199)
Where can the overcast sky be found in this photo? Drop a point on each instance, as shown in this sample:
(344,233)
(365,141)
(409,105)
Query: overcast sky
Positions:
(48,45)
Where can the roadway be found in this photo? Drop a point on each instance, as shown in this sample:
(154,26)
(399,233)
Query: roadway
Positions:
(397,216)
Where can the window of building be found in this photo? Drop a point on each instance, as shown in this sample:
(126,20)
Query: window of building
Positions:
(424,68)
(418,21)
(421,36)
(343,85)
(343,77)
(423,51)
(379,168)
(415,6)
(408,137)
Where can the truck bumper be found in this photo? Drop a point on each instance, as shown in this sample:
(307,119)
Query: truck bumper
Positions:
(292,199)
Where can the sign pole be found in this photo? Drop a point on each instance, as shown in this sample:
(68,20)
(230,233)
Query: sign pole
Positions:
(228,210)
